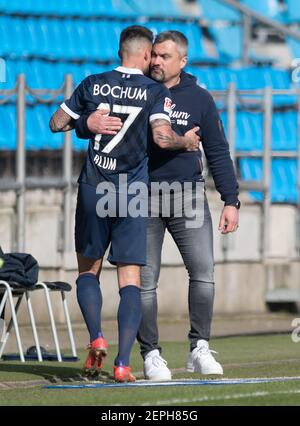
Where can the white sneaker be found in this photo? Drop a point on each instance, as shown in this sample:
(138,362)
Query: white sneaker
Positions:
(155,367)
(200,360)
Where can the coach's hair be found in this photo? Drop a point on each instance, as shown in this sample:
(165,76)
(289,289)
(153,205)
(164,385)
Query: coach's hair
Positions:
(176,36)
(130,35)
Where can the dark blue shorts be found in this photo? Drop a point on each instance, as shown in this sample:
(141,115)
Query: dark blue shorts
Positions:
(93,234)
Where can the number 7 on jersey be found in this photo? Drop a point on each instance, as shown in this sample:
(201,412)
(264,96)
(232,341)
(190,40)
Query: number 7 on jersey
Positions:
(132,112)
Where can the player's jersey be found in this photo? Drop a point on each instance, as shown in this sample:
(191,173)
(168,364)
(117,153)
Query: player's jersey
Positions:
(137,100)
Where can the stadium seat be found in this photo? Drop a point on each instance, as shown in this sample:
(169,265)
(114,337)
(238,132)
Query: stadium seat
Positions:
(161,8)
(8,127)
(38,135)
(229,42)
(284,131)
(214,10)
(249,132)
(293,11)
(197,51)
(283,178)
(66,8)
(268,8)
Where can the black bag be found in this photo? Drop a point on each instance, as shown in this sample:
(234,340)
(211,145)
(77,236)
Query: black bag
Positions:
(21,268)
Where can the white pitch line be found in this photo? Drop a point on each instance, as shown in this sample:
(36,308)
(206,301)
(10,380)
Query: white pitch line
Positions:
(219,398)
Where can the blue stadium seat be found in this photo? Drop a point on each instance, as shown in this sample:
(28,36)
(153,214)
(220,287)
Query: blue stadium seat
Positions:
(249,131)
(197,51)
(88,8)
(214,10)
(161,8)
(229,42)
(38,135)
(212,78)
(267,8)
(8,130)
(294,46)
(283,178)
(293,10)
(284,131)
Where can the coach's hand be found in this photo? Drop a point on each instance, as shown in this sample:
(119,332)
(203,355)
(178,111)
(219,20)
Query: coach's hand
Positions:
(192,139)
(229,221)
(100,122)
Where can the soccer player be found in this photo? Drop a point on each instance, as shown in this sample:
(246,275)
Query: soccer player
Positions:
(191,105)
(141,104)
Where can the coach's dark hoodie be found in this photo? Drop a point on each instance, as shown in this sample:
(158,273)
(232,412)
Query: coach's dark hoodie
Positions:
(194,106)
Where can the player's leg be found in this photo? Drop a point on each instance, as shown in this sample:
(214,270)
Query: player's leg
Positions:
(128,252)
(91,240)
(195,243)
(129,317)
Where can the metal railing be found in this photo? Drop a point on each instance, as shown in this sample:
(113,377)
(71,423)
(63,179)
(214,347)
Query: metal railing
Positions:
(22,183)
(66,181)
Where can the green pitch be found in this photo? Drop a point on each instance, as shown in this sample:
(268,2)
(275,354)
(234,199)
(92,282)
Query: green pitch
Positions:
(241,357)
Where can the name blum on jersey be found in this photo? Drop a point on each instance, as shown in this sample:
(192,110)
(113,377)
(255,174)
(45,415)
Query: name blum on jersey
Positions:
(180,116)
(119,92)
(107,163)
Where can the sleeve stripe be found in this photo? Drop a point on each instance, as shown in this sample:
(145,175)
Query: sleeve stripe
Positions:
(159,117)
(69,111)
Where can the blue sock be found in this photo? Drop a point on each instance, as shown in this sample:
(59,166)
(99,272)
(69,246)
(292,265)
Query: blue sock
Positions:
(129,318)
(90,301)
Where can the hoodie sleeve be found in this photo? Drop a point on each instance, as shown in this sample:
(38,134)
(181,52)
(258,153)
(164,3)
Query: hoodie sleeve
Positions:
(216,149)
(81,127)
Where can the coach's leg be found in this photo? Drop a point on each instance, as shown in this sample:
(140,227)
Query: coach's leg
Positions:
(195,244)
(129,312)
(148,331)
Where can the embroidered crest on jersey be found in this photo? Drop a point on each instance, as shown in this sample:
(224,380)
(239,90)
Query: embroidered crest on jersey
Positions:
(168,105)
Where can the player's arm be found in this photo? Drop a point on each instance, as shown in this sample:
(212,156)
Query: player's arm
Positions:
(166,138)
(61,121)
(70,110)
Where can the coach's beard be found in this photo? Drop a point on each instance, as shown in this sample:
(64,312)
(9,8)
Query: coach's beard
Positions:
(157,74)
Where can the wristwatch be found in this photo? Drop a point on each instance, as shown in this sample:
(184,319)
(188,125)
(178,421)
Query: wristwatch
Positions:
(237,205)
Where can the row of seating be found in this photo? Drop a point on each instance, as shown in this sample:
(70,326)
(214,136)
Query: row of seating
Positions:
(90,8)
(46,74)
(283,178)
(250,126)
(286,12)
(38,135)
(65,39)
(249,130)
(248,137)
(209,9)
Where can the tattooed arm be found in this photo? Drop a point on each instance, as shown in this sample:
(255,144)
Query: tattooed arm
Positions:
(166,138)
(61,121)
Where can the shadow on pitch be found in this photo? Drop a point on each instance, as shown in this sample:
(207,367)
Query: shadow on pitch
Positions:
(52,373)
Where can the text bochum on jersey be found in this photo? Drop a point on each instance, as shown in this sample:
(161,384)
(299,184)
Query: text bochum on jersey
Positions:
(137,100)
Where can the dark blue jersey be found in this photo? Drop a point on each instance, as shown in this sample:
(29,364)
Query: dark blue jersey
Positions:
(137,100)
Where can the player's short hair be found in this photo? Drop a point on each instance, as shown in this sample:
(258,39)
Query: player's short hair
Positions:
(132,35)
(176,36)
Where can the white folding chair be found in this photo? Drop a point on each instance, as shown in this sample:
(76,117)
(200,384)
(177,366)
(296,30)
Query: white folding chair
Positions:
(10,290)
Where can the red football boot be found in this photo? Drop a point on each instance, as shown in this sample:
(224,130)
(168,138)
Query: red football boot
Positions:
(97,353)
(123,374)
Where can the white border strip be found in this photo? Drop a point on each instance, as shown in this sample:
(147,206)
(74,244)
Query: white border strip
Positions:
(69,111)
